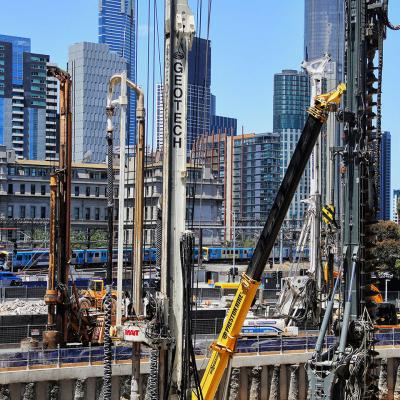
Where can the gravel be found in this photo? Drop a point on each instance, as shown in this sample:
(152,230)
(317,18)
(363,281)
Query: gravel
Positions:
(23,307)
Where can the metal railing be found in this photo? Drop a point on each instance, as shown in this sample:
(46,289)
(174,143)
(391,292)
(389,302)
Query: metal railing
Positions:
(87,356)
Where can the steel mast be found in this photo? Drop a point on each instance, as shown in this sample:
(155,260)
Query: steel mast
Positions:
(315,70)
(345,372)
(179,31)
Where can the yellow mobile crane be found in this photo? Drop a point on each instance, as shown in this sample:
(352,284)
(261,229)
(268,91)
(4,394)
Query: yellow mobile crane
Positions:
(224,347)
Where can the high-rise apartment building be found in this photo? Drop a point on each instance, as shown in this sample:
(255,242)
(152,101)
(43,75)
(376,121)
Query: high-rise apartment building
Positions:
(160,116)
(324,31)
(291,100)
(256,176)
(396,206)
(28,101)
(91,65)
(384,177)
(249,167)
(117,29)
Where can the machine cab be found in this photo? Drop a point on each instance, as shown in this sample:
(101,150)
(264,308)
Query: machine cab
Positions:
(96,285)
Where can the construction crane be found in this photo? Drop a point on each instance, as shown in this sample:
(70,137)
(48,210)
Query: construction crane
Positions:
(224,347)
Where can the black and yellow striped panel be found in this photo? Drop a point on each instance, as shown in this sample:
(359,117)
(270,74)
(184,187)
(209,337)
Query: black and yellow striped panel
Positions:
(328,214)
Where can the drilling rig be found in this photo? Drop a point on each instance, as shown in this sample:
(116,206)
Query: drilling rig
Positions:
(57,298)
(346,370)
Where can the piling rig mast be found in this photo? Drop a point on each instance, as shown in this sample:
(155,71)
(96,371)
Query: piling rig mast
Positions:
(346,371)
(179,31)
(57,297)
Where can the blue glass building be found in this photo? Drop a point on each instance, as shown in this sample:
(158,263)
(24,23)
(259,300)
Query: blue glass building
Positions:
(199,90)
(28,101)
(385,177)
(222,124)
(291,100)
(117,29)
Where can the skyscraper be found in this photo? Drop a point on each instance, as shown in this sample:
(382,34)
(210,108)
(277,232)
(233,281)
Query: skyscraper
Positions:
(324,31)
(28,101)
(160,116)
(91,65)
(384,177)
(117,29)
(199,90)
(219,123)
(291,100)
(396,206)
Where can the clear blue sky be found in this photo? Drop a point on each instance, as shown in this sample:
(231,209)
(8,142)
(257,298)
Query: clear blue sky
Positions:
(250,42)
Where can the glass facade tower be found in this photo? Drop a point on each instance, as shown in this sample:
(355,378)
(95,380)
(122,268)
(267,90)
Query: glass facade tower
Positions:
(385,177)
(291,100)
(117,29)
(324,31)
(28,101)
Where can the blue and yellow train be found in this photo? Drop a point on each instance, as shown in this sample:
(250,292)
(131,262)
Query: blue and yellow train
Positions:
(98,257)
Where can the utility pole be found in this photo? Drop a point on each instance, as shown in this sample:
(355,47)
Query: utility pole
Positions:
(179,31)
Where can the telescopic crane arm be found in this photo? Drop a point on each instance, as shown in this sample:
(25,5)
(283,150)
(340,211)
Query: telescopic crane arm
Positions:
(225,345)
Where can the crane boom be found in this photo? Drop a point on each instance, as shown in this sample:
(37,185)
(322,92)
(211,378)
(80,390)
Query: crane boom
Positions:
(225,345)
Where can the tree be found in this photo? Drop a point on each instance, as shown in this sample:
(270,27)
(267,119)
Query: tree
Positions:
(384,252)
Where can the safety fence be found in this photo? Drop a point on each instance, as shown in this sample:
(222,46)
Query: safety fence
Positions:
(38,292)
(201,294)
(86,356)
(14,334)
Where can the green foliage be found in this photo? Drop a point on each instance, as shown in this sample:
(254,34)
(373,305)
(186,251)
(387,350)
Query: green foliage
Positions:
(81,239)
(384,236)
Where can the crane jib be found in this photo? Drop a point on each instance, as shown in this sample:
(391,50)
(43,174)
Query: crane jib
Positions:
(284,197)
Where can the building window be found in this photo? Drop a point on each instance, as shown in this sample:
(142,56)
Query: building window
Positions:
(88,191)
(10,211)
(76,213)
(33,212)
(33,189)
(76,190)
(97,214)
(10,188)
(22,188)
(22,212)
(97,191)
(42,212)
(87,213)
(43,190)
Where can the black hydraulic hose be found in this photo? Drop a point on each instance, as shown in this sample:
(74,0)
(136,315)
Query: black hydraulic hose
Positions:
(108,296)
(284,197)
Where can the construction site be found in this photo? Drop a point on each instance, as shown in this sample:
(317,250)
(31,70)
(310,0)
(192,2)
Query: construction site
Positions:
(183,317)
